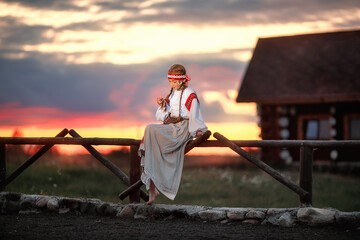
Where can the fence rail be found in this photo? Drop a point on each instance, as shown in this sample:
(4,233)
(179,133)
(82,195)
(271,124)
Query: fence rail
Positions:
(208,143)
(304,190)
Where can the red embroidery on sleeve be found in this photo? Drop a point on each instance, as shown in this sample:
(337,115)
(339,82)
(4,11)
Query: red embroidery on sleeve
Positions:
(190,99)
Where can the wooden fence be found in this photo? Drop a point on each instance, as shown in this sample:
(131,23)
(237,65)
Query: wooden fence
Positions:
(135,193)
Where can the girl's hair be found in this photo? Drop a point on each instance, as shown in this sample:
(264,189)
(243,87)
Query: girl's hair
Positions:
(177,69)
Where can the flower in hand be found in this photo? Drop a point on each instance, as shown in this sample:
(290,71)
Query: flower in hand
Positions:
(160,100)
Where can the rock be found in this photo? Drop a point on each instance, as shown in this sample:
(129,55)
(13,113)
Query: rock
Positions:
(315,216)
(126,212)
(236,215)
(273,215)
(27,204)
(143,212)
(42,201)
(53,204)
(224,221)
(64,210)
(254,214)
(89,207)
(110,211)
(192,211)
(348,218)
(92,209)
(72,204)
(84,207)
(212,215)
(286,220)
(100,209)
(177,210)
(162,212)
(251,221)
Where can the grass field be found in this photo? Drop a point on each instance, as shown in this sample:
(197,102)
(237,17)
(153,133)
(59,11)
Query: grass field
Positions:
(210,186)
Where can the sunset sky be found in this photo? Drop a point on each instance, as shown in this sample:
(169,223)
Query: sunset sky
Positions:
(97,66)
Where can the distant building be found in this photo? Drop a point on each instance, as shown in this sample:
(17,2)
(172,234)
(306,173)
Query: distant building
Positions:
(306,87)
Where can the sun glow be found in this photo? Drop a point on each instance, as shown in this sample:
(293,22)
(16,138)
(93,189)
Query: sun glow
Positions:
(99,132)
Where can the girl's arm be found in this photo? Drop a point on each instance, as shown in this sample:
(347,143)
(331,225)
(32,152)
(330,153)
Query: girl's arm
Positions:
(196,123)
(163,110)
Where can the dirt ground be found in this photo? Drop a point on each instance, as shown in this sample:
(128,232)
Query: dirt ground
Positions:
(70,226)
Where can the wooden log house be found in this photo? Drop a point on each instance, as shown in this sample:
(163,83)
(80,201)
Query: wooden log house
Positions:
(306,87)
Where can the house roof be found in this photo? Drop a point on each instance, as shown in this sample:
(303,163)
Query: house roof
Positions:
(312,68)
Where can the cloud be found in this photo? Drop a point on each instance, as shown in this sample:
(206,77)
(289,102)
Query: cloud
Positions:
(99,25)
(125,32)
(214,112)
(43,81)
(200,13)
(129,5)
(15,33)
(75,88)
(59,5)
(234,12)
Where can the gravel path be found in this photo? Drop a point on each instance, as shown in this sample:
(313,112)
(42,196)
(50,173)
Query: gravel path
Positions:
(50,225)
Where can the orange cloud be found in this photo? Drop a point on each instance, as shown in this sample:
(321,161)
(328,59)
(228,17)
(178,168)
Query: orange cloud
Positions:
(12,115)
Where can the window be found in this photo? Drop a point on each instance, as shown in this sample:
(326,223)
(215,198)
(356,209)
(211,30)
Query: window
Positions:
(317,129)
(312,129)
(354,128)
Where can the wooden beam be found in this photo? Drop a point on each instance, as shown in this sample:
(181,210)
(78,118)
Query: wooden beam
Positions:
(208,143)
(108,164)
(197,141)
(35,157)
(69,141)
(306,172)
(272,172)
(134,187)
(135,173)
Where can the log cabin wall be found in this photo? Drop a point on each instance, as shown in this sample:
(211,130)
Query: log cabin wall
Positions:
(326,121)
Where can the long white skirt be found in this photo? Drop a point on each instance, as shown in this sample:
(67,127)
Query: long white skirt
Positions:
(164,147)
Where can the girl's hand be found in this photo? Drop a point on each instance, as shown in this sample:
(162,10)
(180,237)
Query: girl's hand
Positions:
(160,100)
(199,133)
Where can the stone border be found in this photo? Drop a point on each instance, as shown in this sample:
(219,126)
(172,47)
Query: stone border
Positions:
(17,203)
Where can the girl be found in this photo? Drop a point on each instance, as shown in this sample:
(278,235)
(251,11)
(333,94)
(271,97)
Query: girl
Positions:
(163,145)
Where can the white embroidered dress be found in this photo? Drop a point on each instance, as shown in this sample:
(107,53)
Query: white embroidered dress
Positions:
(164,144)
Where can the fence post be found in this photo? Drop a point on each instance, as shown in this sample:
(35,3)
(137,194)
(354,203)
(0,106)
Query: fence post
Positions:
(2,166)
(134,173)
(306,172)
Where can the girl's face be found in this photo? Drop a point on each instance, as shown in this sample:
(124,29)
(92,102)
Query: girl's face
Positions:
(174,84)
